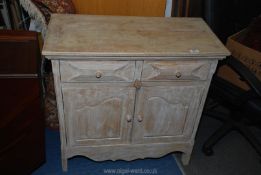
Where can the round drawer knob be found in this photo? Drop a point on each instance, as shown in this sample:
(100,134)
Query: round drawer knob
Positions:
(178,74)
(98,74)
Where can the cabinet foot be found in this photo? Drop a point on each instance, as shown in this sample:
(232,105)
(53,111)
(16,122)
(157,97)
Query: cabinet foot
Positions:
(64,164)
(185,157)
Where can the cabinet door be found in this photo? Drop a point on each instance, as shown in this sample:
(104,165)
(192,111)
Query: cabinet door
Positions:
(165,113)
(98,115)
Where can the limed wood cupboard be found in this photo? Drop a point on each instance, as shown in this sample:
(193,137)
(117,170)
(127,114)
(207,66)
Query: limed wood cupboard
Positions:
(130,87)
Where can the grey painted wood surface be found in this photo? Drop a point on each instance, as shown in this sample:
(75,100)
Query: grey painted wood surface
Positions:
(86,35)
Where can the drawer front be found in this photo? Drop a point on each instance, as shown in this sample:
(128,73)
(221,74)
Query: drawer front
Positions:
(97,71)
(175,70)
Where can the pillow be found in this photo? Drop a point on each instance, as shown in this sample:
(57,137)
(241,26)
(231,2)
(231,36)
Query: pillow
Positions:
(47,7)
(58,6)
(40,11)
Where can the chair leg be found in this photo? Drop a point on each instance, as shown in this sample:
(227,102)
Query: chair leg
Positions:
(216,136)
(221,116)
(246,132)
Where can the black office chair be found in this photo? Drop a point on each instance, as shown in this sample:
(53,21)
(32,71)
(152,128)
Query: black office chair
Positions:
(244,106)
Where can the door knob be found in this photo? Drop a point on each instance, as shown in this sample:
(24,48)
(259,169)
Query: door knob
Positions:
(139,118)
(129,118)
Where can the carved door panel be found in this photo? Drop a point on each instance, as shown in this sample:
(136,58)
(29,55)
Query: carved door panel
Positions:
(98,115)
(165,113)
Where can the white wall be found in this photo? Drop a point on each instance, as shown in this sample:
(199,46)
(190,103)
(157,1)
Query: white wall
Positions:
(168,8)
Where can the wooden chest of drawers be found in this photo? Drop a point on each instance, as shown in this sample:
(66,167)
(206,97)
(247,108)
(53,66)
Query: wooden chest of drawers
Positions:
(130,87)
(22,146)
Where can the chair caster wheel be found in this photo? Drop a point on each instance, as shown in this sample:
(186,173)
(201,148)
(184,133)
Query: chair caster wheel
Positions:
(208,151)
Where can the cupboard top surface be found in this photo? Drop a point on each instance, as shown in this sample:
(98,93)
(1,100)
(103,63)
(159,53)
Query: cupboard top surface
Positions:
(118,36)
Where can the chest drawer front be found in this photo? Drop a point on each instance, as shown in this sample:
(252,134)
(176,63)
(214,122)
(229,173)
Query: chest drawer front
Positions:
(97,71)
(175,70)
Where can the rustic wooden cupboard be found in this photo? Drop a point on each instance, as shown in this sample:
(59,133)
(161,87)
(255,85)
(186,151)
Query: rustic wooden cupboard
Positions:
(130,87)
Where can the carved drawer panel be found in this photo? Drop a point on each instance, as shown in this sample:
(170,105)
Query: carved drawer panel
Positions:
(175,70)
(97,71)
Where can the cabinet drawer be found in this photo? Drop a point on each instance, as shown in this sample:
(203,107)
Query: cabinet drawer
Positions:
(175,70)
(97,71)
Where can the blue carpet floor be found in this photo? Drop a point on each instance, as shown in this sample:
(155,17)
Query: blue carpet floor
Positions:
(83,166)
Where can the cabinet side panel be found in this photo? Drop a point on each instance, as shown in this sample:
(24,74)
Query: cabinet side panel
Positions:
(59,100)
(204,96)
